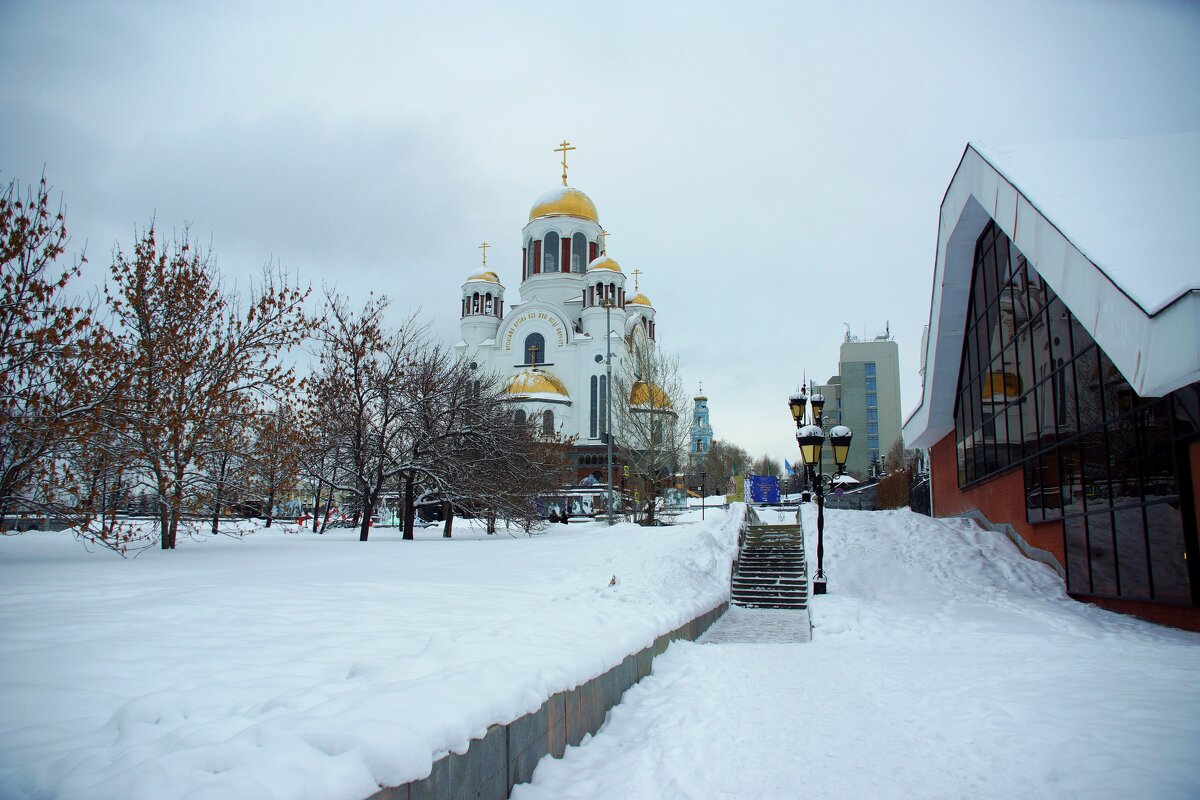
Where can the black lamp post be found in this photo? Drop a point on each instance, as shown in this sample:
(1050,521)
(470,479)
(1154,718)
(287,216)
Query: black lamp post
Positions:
(810,437)
(703,475)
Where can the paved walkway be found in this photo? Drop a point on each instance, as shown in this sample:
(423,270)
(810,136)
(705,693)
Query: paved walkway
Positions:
(759,626)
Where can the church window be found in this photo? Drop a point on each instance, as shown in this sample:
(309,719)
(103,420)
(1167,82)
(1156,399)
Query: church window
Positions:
(579,253)
(547,423)
(475,303)
(565,263)
(604,404)
(488,303)
(527,252)
(551,251)
(594,408)
(537,256)
(519,417)
(535,349)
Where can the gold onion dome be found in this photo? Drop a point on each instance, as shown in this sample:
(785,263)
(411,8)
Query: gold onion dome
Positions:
(604,262)
(534,381)
(564,201)
(486,275)
(639,300)
(647,396)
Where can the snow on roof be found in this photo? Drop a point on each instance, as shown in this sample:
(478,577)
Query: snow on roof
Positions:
(1111,225)
(1132,206)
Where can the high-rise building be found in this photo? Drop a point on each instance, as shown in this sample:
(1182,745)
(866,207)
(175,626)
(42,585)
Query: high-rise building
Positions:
(864,395)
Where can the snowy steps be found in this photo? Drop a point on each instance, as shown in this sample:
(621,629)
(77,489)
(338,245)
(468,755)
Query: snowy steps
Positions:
(771,570)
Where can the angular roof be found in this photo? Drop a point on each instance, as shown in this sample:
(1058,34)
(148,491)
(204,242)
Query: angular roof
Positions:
(1111,225)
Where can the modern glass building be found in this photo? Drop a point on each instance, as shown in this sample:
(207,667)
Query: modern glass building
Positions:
(1060,401)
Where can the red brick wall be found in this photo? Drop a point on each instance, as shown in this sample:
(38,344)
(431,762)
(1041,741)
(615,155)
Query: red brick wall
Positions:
(1000,499)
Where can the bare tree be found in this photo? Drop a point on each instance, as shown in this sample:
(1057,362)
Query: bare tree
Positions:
(196,357)
(48,385)
(275,456)
(648,398)
(723,460)
(358,399)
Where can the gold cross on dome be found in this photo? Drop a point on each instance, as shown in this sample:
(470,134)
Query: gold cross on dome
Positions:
(636,272)
(603,241)
(563,148)
(484,248)
(701,387)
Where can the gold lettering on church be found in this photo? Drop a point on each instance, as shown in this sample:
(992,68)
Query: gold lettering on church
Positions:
(560,335)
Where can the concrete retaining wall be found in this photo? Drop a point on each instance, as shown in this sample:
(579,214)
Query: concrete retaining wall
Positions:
(507,754)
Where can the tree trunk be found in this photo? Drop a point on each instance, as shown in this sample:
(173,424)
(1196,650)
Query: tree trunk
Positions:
(270,507)
(410,507)
(317,510)
(491,522)
(448,513)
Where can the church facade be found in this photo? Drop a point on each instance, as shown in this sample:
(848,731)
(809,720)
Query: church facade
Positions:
(551,347)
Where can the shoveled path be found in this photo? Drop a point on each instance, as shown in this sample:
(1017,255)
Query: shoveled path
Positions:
(760,626)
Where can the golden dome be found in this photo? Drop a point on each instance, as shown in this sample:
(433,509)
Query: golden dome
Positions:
(564,201)
(488,276)
(650,397)
(639,300)
(535,381)
(604,262)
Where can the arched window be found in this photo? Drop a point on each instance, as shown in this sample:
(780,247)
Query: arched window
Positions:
(519,416)
(551,251)
(488,303)
(528,257)
(578,253)
(535,349)
(475,303)
(547,423)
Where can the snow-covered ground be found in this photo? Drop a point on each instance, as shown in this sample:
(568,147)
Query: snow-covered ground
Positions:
(943,664)
(290,665)
(287,665)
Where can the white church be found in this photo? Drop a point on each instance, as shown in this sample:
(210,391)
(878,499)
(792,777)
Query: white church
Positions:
(551,344)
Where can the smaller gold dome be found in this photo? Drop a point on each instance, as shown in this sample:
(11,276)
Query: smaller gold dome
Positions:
(535,381)
(639,300)
(564,201)
(488,276)
(604,262)
(647,396)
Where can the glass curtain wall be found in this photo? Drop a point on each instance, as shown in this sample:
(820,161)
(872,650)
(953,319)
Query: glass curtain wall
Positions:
(1036,391)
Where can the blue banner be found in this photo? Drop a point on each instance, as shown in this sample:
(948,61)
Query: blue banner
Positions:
(763,488)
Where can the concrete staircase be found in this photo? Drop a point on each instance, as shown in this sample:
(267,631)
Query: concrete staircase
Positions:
(771,571)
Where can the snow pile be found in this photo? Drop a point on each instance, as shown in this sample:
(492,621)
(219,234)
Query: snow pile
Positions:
(943,664)
(292,665)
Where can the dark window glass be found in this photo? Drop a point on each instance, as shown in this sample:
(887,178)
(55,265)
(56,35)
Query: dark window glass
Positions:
(1157,453)
(535,349)
(1101,553)
(1075,540)
(548,422)
(579,260)
(1036,391)
(519,416)
(593,407)
(550,262)
(1132,558)
(1168,568)
(1094,478)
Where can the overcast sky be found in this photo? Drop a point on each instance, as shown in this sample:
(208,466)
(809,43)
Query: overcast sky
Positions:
(774,170)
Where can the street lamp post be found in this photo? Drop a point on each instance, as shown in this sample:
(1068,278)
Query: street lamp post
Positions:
(703,475)
(608,304)
(810,437)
